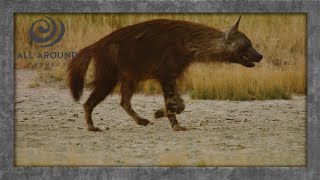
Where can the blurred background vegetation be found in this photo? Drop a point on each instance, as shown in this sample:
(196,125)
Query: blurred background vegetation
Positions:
(281,38)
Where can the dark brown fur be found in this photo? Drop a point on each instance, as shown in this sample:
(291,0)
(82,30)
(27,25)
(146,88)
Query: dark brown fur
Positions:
(157,49)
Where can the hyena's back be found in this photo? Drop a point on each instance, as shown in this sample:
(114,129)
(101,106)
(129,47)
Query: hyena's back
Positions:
(158,48)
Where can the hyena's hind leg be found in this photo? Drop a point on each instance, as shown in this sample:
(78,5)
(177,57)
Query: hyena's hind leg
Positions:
(159,113)
(97,95)
(127,89)
(169,90)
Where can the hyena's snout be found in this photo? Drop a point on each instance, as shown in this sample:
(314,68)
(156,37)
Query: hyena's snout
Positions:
(248,57)
(254,55)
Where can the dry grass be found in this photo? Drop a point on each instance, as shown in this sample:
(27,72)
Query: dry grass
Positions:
(238,83)
(34,85)
(280,38)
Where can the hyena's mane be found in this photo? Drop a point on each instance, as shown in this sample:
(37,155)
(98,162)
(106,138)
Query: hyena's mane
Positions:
(205,42)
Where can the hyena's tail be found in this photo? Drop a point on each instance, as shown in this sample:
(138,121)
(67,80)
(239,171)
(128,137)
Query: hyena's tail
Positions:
(77,69)
(106,70)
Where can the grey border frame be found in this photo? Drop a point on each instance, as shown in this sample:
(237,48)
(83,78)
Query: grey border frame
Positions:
(8,8)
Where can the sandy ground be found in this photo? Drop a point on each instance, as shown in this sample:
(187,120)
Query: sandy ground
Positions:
(50,131)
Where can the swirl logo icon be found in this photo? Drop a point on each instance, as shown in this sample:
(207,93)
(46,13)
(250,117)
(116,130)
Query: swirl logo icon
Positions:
(46,33)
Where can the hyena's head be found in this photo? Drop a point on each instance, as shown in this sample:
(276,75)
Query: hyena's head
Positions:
(240,47)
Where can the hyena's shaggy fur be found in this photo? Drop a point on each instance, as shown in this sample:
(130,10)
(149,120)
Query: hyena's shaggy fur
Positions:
(157,49)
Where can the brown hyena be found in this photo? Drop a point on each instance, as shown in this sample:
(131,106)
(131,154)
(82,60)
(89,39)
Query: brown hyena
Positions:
(157,49)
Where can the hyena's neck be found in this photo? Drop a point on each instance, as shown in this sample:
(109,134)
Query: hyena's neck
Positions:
(209,48)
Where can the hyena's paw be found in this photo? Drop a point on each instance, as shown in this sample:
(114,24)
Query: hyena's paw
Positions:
(142,122)
(159,113)
(92,128)
(177,127)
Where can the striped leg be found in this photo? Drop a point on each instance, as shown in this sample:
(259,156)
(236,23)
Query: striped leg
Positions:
(169,90)
(159,113)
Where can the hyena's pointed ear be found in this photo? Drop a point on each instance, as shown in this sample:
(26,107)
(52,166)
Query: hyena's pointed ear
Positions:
(233,30)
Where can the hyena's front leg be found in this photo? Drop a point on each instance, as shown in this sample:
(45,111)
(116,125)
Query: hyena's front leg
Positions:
(169,91)
(159,113)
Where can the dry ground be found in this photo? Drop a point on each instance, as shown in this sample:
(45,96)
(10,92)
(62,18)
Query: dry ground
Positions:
(50,131)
